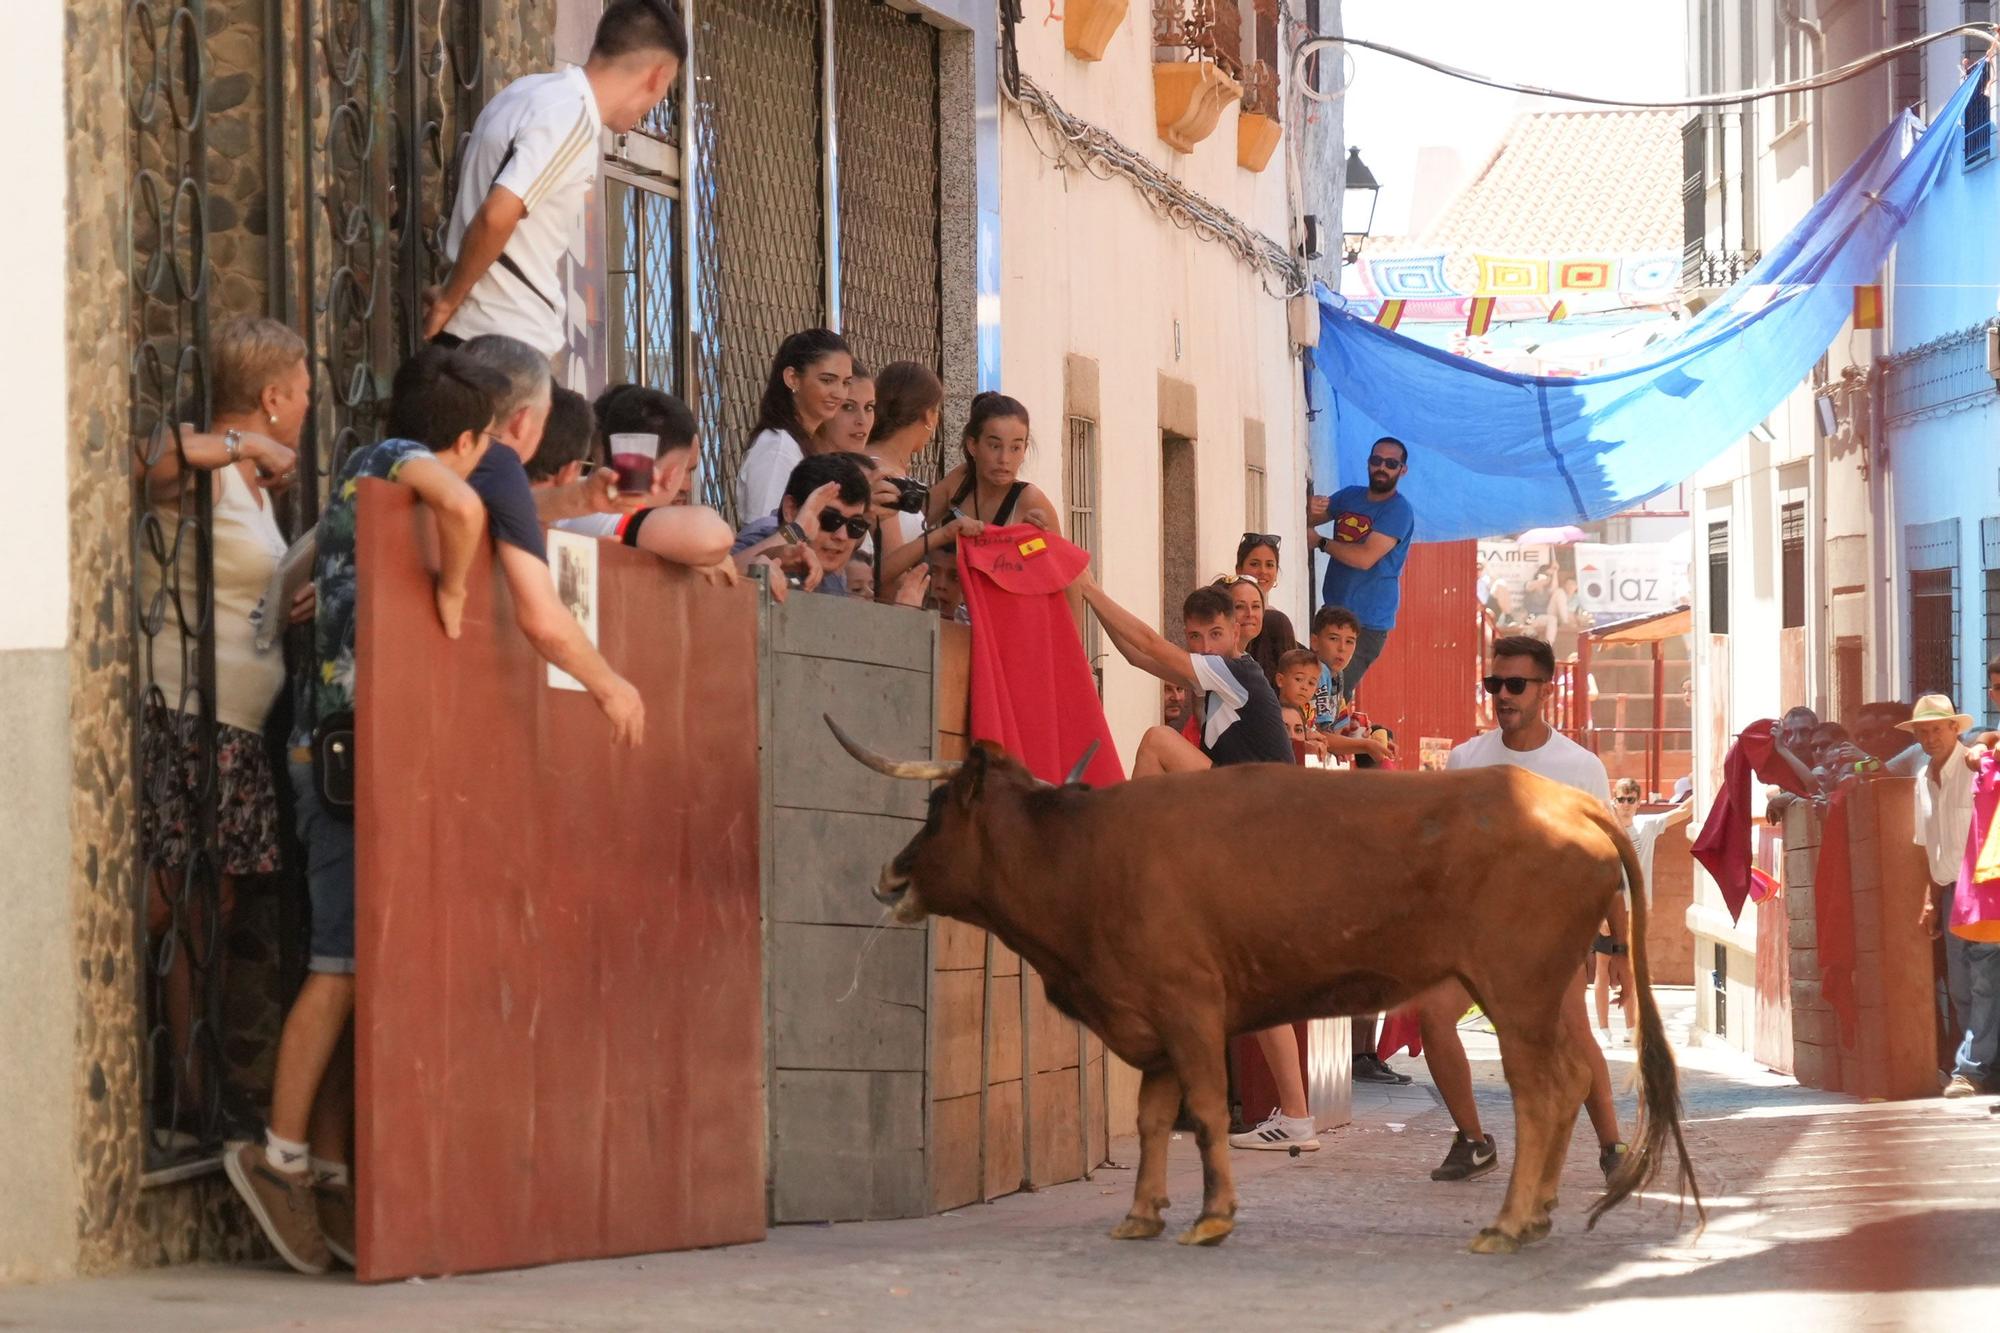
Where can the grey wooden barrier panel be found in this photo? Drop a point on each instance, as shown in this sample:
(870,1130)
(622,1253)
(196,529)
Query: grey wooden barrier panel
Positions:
(847,992)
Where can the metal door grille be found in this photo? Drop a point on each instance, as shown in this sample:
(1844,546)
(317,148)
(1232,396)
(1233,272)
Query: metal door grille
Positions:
(759,216)
(886,86)
(167,258)
(390,92)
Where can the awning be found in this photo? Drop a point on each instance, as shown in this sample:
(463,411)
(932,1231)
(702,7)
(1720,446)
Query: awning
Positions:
(1646,629)
(1494,452)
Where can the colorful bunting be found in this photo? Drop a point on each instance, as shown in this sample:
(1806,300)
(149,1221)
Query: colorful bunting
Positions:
(1560,313)
(1481,317)
(1391,314)
(1511,277)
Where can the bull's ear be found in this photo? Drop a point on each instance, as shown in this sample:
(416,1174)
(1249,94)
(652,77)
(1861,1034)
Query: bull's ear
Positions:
(972,778)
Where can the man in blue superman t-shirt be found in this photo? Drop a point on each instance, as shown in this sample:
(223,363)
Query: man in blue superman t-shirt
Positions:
(1370,539)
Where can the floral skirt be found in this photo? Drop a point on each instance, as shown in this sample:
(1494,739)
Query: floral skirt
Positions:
(246,815)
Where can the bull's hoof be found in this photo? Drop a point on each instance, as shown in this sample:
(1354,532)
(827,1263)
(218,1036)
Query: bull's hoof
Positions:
(1492,1240)
(1536,1230)
(1549,1205)
(1208,1231)
(1138,1228)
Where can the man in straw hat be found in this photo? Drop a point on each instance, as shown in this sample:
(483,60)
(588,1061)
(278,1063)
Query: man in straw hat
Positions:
(1943,824)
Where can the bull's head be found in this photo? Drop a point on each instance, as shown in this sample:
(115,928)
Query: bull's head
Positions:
(942,868)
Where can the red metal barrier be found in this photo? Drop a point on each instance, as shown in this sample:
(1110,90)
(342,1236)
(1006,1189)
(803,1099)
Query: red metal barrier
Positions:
(559,1026)
(1426,682)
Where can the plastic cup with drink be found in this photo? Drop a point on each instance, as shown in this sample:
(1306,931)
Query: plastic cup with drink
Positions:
(632,458)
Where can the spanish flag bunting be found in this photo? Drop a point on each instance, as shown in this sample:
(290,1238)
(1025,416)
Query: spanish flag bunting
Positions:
(1480,318)
(1868,306)
(1560,313)
(1390,315)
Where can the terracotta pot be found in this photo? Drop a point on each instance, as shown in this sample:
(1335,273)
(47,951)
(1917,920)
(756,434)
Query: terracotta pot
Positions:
(1188,98)
(1256,139)
(1088,25)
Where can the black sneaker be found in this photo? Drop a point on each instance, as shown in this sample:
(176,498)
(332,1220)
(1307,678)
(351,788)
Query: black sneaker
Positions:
(1610,1157)
(1467,1159)
(1371,1069)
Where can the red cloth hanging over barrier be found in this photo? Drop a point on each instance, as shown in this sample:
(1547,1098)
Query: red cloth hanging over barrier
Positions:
(1724,845)
(1032,689)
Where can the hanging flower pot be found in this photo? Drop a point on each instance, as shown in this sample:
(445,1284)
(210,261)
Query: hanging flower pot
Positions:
(1188,98)
(1256,139)
(1088,25)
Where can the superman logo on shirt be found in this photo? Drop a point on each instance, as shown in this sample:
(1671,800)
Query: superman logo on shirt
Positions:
(1350,527)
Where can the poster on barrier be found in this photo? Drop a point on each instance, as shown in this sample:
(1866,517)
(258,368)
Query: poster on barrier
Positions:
(1641,579)
(573,566)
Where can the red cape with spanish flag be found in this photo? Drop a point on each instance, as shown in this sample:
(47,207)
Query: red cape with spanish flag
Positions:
(1032,690)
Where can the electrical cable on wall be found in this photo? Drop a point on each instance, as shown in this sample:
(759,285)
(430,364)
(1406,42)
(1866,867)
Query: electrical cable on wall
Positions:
(1838,74)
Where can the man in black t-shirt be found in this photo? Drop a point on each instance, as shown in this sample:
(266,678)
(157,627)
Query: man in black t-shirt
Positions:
(1240,722)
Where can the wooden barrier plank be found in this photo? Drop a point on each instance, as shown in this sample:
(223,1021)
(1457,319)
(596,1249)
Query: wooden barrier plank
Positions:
(1909,1055)
(559,1037)
(847,998)
(1052,1043)
(850,1147)
(827,863)
(1004,1167)
(955,1152)
(954,691)
(1057,1151)
(1003,1051)
(809,770)
(957,1023)
(955,945)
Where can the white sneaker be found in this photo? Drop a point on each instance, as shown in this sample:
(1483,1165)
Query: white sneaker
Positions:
(1280,1133)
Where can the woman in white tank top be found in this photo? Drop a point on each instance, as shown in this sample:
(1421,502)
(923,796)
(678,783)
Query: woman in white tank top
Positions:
(261,389)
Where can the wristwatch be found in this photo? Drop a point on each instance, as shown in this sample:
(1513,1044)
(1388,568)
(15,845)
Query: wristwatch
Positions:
(792,533)
(232,444)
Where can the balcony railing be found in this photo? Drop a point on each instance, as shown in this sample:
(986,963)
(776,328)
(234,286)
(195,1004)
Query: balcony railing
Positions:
(1715,268)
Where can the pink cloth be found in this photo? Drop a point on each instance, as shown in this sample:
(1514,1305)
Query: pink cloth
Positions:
(1975,904)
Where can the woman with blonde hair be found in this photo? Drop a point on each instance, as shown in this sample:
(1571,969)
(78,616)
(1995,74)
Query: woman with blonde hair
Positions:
(261,392)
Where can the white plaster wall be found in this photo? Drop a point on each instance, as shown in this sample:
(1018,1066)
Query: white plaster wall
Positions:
(37,984)
(1089,270)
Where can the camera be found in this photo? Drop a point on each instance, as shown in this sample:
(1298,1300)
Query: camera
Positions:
(911,495)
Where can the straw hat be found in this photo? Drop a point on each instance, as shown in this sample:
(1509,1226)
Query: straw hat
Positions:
(1935,708)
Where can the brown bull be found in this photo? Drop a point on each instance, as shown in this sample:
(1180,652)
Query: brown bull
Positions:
(1132,903)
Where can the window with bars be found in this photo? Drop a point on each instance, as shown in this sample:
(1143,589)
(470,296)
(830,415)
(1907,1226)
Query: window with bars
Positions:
(1979,111)
(1933,631)
(643,270)
(1792,562)
(1718,578)
(1080,485)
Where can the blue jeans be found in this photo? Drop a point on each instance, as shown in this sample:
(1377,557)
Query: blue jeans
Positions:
(329,846)
(1973,972)
(1367,647)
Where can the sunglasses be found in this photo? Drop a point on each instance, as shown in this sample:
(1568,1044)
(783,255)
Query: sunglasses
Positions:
(1512,684)
(832,520)
(1384,462)
(1270,539)
(1627,800)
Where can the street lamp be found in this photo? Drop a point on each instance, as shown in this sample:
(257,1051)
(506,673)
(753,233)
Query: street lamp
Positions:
(1360,181)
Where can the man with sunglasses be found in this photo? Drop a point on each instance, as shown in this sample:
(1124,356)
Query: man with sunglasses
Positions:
(1370,540)
(818,524)
(1523,671)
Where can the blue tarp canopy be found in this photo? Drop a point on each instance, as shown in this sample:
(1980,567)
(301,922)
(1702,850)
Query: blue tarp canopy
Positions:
(1494,453)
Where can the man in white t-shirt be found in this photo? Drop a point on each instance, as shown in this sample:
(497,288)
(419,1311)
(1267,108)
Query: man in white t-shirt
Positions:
(1522,679)
(526,173)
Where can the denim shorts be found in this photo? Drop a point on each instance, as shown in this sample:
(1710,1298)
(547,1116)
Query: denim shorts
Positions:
(329,845)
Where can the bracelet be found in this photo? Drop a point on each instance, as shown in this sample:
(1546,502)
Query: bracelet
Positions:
(232,444)
(792,533)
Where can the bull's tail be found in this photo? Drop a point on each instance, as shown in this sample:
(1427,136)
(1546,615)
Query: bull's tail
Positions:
(1659,1077)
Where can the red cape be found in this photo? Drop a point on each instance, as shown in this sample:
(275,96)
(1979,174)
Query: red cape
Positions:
(1724,845)
(1032,690)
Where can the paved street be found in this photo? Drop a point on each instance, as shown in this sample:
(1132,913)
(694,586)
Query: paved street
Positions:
(1823,1212)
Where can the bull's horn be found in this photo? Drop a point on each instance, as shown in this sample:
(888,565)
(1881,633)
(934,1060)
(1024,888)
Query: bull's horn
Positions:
(1082,766)
(919,770)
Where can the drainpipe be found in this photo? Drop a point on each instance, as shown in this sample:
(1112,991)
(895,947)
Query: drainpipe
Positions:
(1819,648)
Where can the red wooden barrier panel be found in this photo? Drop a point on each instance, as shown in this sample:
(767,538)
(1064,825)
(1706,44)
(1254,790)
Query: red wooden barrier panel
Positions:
(559,1022)
(1426,682)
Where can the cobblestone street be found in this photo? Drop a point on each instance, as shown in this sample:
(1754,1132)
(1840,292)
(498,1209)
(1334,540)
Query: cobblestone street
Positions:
(1823,1212)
